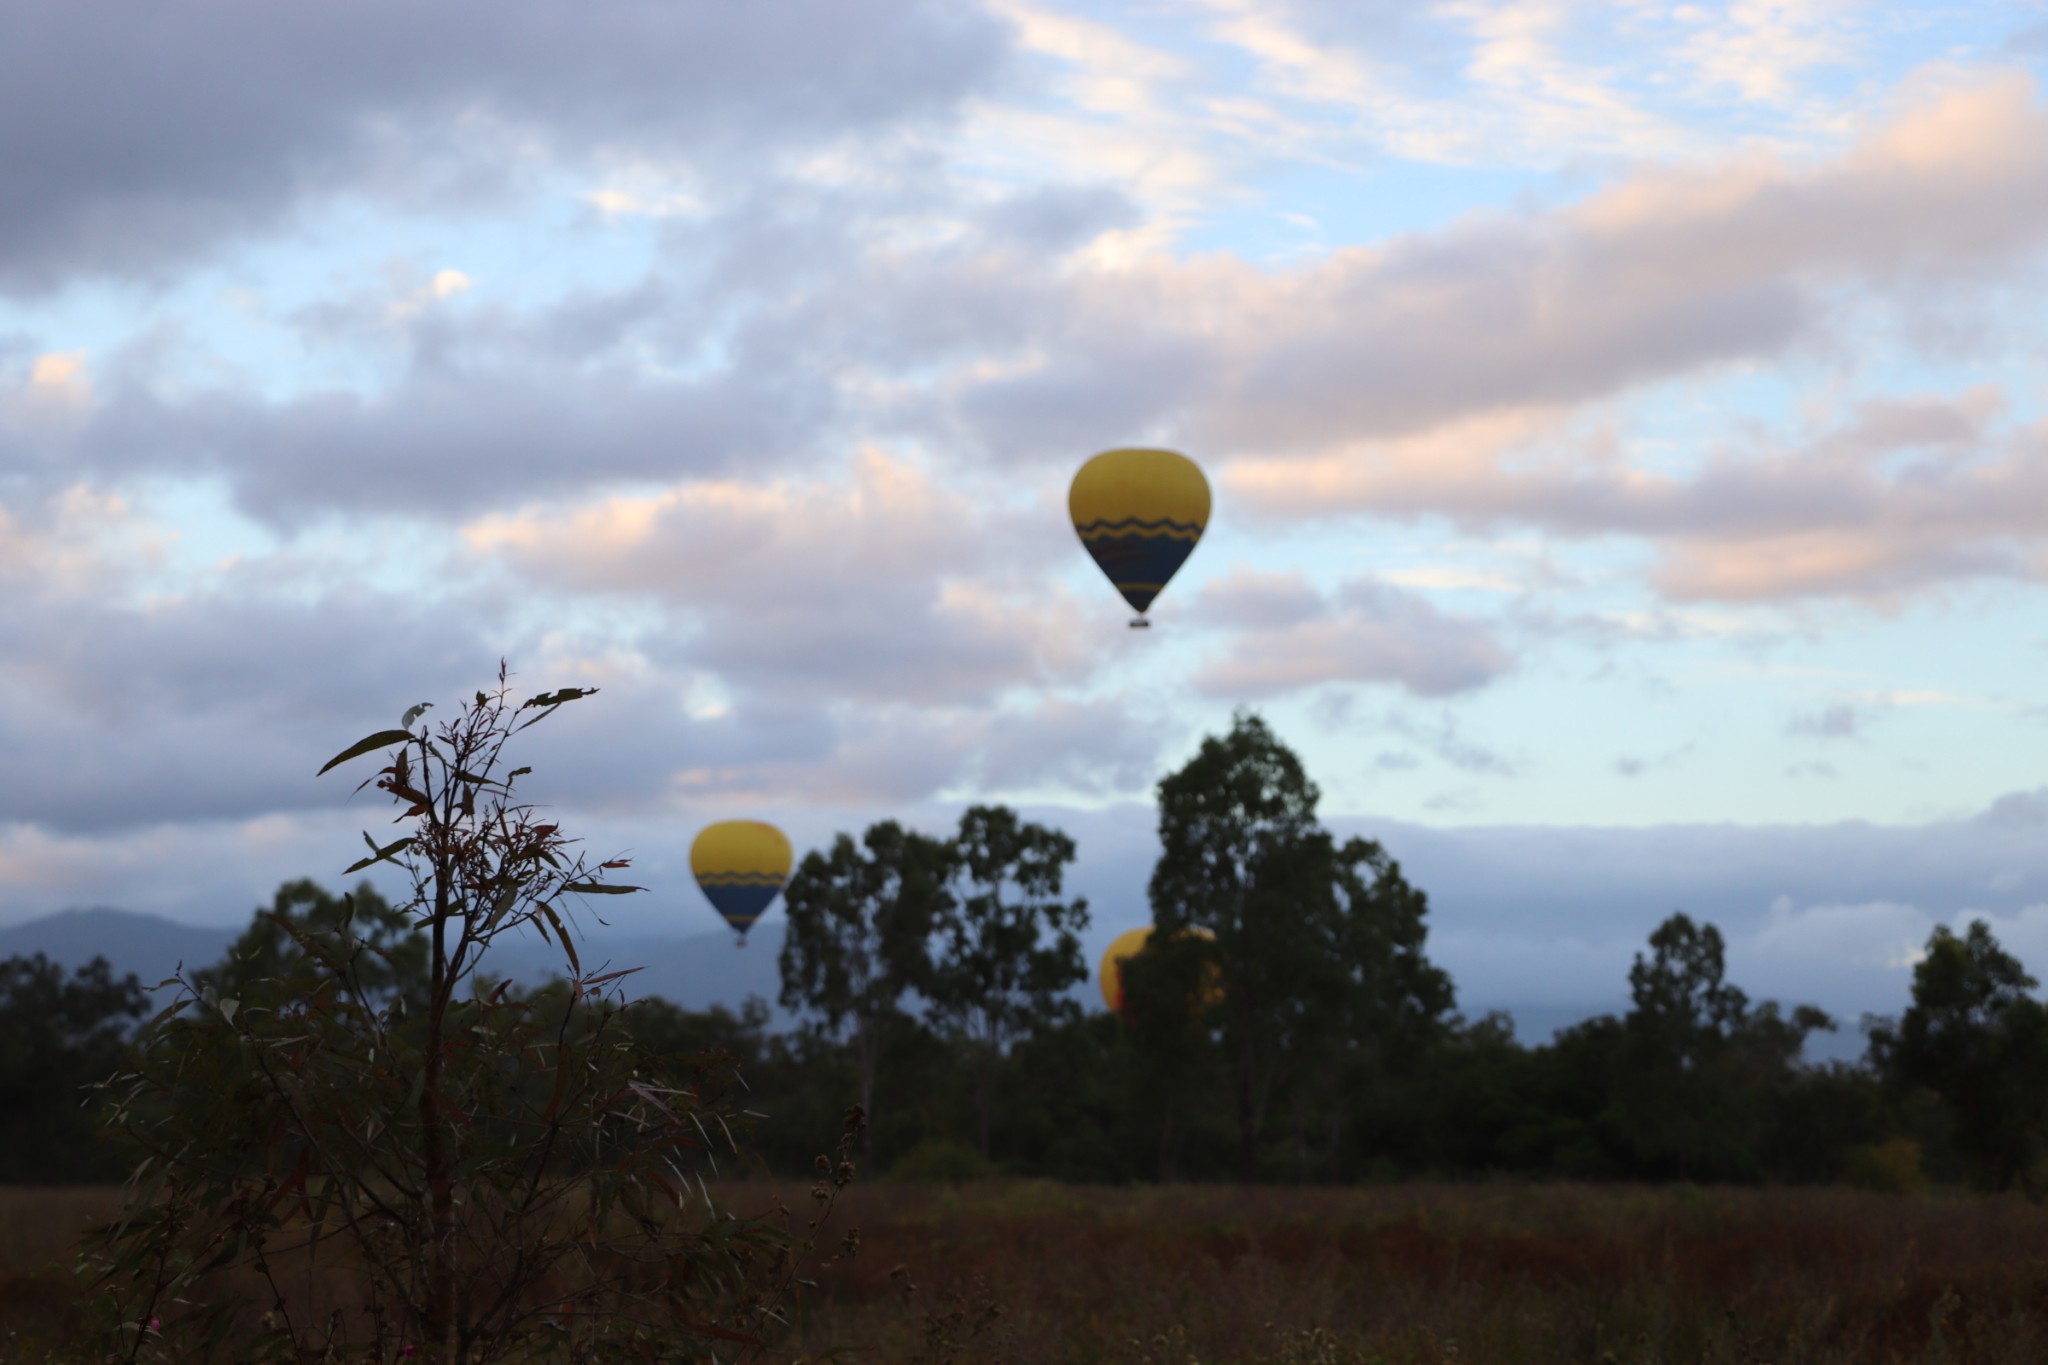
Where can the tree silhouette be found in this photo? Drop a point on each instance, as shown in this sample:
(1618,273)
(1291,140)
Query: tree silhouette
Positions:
(1974,1037)
(1319,947)
(58,1037)
(1008,946)
(860,922)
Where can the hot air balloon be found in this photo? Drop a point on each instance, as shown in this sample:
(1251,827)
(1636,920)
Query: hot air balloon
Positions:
(1127,945)
(740,864)
(1139,514)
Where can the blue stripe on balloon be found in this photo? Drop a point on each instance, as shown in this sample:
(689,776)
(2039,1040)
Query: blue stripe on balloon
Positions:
(740,906)
(1139,565)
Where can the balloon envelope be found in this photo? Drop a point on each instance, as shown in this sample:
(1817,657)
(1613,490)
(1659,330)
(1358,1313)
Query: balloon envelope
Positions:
(740,865)
(1127,945)
(1139,514)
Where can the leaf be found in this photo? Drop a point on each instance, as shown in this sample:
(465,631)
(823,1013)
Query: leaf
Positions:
(563,935)
(557,698)
(382,739)
(377,855)
(414,713)
(601,889)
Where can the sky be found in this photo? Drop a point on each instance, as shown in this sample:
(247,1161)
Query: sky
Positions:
(1628,427)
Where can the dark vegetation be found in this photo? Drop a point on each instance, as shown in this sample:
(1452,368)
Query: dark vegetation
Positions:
(1301,1038)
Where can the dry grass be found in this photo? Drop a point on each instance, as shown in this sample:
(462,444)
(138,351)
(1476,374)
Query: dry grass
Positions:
(39,1307)
(1033,1272)
(1438,1274)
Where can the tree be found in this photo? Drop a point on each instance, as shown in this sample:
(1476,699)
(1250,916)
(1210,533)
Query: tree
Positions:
(457,1177)
(1698,1068)
(861,918)
(57,1038)
(1974,1037)
(1009,946)
(1387,1005)
(1319,947)
(388,954)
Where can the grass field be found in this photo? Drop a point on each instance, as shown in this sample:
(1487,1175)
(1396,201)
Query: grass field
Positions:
(1469,1273)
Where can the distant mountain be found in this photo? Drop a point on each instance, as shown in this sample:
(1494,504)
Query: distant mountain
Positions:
(695,972)
(148,945)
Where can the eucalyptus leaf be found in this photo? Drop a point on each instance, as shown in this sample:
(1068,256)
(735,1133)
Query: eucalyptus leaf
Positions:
(381,740)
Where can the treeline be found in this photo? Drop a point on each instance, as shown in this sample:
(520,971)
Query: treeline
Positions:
(1283,1023)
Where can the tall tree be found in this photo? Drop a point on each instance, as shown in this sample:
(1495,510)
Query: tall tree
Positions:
(56,1038)
(1387,1005)
(384,951)
(1974,1037)
(1009,946)
(1315,944)
(861,919)
(1697,1066)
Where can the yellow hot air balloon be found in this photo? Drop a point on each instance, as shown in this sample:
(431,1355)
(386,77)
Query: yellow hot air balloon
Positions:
(1139,514)
(740,866)
(1127,945)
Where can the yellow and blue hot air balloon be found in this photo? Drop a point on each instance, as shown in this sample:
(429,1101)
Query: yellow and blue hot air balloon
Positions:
(1139,514)
(1127,945)
(740,864)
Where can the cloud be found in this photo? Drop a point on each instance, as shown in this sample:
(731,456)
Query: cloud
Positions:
(1448,373)
(212,707)
(128,148)
(1635,765)
(1444,738)
(1836,721)
(1290,636)
(1877,934)
(890,589)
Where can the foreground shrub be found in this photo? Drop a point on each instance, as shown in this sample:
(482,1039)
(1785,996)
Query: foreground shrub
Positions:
(336,1167)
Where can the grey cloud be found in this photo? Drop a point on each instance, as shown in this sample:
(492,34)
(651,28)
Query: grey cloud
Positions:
(2015,813)
(2028,41)
(210,709)
(1443,738)
(1635,765)
(1837,721)
(1670,273)
(442,445)
(1103,747)
(891,590)
(1491,313)
(1546,919)
(1253,599)
(1056,218)
(1367,632)
(131,139)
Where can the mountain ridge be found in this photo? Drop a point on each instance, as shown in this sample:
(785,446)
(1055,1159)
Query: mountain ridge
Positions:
(695,971)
